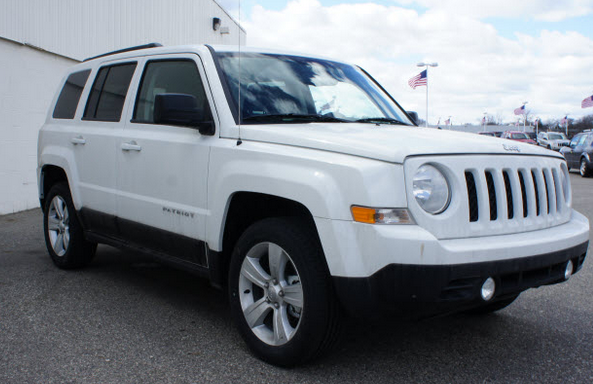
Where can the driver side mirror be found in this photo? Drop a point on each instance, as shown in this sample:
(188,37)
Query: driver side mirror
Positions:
(182,110)
(414,116)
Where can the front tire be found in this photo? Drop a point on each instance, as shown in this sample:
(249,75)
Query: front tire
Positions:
(281,297)
(64,237)
(583,169)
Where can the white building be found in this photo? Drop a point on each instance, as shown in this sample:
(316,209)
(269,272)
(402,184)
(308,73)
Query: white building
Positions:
(39,39)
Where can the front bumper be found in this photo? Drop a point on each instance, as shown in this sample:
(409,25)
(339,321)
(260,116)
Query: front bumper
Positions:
(408,290)
(404,269)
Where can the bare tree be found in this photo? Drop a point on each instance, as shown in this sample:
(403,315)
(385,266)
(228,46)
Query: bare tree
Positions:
(499,118)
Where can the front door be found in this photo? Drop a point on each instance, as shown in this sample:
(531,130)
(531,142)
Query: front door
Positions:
(163,169)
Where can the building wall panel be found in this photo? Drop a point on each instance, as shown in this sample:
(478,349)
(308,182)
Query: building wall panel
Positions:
(70,30)
(28,83)
(84,28)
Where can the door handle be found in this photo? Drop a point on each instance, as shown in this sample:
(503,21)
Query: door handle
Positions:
(78,140)
(131,146)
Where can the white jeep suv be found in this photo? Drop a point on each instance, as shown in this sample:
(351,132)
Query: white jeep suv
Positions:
(552,140)
(300,185)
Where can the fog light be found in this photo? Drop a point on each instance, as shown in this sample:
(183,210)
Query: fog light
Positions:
(488,289)
(568,270)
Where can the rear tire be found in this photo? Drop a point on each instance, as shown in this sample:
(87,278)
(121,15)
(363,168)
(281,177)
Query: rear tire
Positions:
(281,296)
(64,237)
(493,307)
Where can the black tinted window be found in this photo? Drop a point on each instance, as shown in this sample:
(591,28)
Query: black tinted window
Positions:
(70,95)
(170,76)
(108,95)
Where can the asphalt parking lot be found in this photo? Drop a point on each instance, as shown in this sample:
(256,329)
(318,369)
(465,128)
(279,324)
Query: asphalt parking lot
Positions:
(127,319)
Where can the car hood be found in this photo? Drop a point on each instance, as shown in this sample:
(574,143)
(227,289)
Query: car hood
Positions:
(530,141)
(559,141)
(385,142)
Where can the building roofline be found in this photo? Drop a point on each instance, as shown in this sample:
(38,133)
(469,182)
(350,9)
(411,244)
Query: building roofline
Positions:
(29,45)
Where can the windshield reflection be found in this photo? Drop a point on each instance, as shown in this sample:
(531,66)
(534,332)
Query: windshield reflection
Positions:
(284,89)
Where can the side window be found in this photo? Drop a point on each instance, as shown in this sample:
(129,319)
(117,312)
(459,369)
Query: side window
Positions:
(108,94)
(574,141)
(582,140)
(169,76)
(70,95)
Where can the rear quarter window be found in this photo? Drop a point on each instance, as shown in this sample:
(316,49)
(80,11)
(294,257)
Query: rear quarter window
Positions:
(70,95)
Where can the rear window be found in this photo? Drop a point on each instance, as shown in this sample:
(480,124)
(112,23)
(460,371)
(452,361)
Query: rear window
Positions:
(108,95)
(70,95)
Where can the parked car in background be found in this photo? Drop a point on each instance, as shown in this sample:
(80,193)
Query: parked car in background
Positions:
(493,134)
(579,153)
(518,136)
(552,140)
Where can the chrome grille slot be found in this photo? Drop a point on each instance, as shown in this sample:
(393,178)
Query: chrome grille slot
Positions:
(472,196)
(558,189)
(491,195)
(547,191)
(551,189)
(523,194)
(507,187)
(536,192)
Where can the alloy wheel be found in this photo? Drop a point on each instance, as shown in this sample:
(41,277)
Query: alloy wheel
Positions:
(58,225)
(271,294)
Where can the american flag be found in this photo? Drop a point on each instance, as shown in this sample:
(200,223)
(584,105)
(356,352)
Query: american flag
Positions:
(484,120)
(448,121)
(418,80)
(520,110)
(588,102)
(564,120)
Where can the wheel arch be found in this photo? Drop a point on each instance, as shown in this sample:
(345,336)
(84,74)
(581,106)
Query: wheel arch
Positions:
(49,175)
(244,209)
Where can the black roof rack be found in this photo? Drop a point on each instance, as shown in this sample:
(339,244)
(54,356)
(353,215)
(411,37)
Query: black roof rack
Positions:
(137,47)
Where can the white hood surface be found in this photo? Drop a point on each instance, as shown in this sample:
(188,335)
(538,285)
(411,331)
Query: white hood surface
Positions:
(391,143)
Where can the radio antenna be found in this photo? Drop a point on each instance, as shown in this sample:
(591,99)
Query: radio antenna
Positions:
(239,141)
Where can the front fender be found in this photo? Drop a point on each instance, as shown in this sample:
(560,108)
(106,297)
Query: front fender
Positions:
(326,183)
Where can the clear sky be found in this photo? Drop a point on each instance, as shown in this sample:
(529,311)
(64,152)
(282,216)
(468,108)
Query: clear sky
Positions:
(493,54)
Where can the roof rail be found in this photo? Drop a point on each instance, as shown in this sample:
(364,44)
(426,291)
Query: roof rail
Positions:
(137,47)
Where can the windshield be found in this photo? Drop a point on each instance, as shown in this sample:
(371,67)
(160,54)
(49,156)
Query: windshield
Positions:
(519,136)
(555,136)
(285,89)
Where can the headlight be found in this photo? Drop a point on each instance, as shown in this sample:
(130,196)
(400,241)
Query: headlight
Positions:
(431,189)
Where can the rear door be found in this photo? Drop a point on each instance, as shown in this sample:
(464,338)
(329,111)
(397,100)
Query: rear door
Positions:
(93,144)
(163,169)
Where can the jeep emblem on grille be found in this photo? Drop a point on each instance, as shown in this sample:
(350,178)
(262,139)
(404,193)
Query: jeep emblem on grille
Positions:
(512,148)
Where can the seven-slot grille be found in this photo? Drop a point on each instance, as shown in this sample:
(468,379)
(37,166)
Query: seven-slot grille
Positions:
(495,194)
(514,193)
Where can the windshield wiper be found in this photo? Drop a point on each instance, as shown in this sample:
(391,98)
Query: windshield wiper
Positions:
(380,120)
(292,117)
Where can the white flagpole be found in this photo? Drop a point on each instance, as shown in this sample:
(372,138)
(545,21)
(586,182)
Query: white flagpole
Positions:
(426,122)
(426,65)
